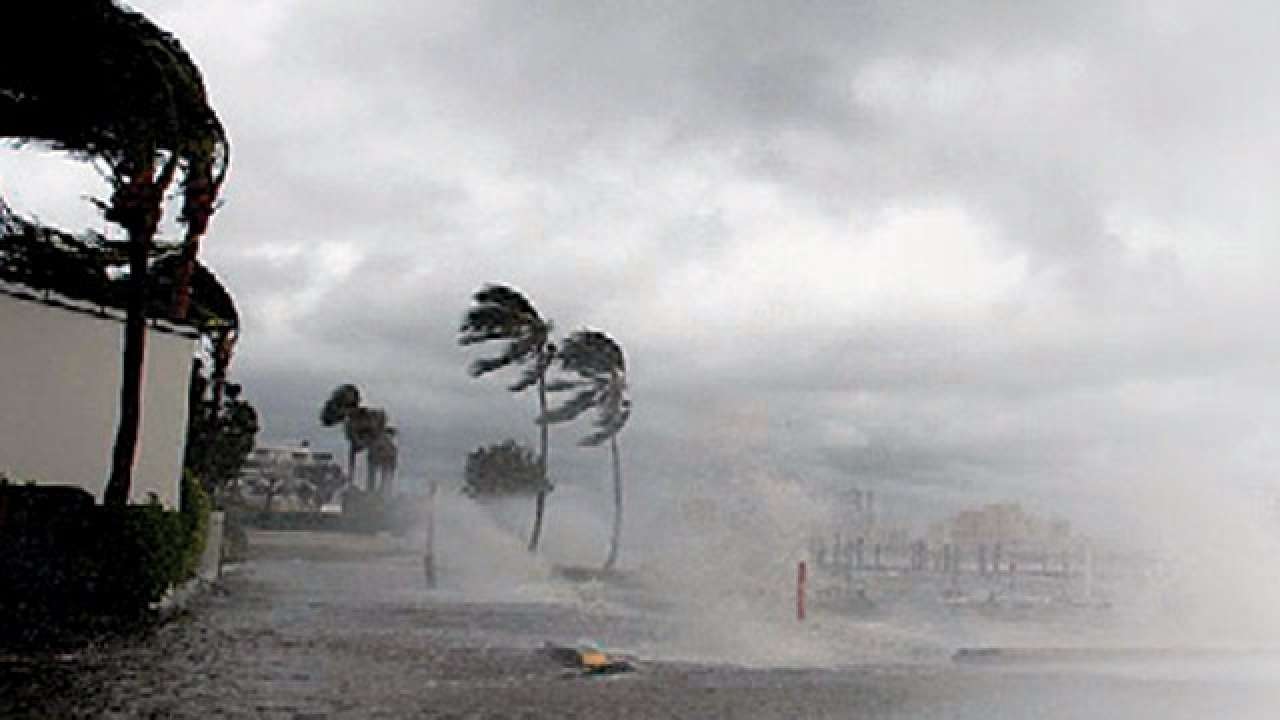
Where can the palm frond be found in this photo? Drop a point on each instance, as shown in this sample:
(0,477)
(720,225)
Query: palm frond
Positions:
(366,425)
(570,409)
(598,361)
(613,414)
(591,353)
(516,352)
(500,312)
(535,370)
(561,385)
(121,91)
(342,401)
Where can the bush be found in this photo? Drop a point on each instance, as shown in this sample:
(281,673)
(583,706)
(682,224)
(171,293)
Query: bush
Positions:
(72,568)
(195,509)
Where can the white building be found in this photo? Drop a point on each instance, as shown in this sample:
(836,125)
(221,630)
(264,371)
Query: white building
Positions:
(60,369)
(285,468)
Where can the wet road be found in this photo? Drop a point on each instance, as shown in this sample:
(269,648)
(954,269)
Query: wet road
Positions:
(339,627)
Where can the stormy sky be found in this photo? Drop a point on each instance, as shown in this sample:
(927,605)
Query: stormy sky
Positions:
(954,251)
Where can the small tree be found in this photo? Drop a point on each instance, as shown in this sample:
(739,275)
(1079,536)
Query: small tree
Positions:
(342,402)
(505,469)
(219,439)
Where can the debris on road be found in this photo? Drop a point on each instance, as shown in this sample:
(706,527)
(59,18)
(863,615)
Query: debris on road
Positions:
(589,660)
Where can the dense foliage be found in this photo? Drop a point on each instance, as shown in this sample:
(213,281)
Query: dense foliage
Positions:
(219,439)
(502,470)
(91,268)
(70,566)
(124,94)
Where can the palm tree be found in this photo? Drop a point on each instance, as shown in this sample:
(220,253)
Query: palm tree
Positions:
(210,308)
(123,93)
(342,402)
(601,382)
(502,313)
(367,431)
(366,428)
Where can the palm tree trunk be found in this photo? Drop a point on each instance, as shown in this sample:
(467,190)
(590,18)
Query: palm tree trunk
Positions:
(135,205)
(540,504)
(351,463)
(198,206)
(616,538)
(135,342)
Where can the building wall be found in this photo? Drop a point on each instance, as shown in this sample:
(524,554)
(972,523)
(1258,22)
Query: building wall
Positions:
(59,393)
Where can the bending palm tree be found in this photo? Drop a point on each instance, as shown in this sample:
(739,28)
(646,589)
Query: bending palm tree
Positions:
(366,427)
(602,384)
(123,92)
(499,312)
(342,402)
(367,431)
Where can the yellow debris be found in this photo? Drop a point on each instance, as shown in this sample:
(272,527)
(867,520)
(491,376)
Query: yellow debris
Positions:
(594,659)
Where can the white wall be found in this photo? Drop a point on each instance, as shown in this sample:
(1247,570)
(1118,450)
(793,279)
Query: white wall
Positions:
(59,392)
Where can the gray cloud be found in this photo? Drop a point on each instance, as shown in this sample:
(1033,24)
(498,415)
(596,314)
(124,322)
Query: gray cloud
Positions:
(957,250)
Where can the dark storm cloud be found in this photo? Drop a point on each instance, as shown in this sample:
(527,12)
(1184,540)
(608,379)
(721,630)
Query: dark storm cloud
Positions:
(979,248)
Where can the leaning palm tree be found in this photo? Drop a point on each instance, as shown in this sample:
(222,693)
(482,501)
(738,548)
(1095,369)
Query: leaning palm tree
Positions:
(367,431)
(601,383)
(123,93)
(366,427)
(502,313)
(342,402)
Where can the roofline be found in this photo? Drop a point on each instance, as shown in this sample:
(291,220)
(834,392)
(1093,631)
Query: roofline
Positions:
(49,298)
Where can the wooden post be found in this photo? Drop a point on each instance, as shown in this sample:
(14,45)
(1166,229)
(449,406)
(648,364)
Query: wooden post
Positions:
(429,556)
(800,583)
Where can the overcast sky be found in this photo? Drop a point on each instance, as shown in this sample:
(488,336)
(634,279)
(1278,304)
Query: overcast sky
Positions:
(958,252)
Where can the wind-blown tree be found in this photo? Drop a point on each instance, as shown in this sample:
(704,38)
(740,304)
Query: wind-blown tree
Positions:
(342,403)
(367,431)
(367,428)
(502,313)
(601,384)
(219,437)
(503,469)
(124,94)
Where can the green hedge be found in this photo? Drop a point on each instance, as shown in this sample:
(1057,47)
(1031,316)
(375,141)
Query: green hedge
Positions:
(77,568)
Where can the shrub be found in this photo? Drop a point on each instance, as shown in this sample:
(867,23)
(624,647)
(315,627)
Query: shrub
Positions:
(195,509)
(68,567)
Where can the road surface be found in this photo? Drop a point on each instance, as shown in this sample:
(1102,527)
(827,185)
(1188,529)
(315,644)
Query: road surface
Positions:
(331,626)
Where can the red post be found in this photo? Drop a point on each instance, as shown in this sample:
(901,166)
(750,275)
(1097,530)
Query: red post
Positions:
(800,581)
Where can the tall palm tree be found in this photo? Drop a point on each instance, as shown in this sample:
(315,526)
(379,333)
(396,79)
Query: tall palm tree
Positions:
(367,427)
(342,403)
(601,383)
(367,431)
(499,312)
(123,93)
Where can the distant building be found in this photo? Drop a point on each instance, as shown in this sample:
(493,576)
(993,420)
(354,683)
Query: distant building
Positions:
(290,472)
